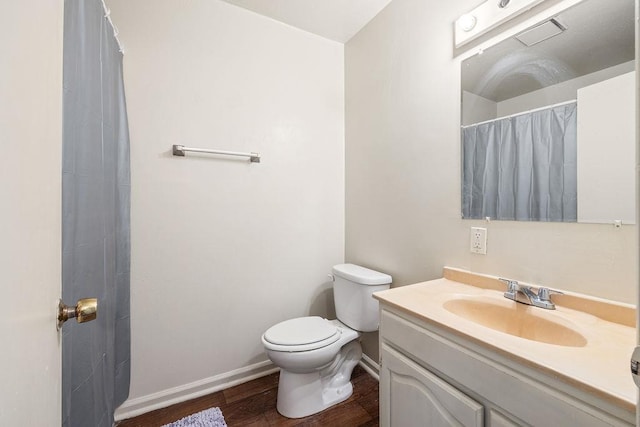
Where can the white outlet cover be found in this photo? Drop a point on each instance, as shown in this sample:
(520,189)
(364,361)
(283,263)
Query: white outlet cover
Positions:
(478,240)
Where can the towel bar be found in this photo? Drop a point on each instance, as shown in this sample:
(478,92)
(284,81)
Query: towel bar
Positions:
(180,150)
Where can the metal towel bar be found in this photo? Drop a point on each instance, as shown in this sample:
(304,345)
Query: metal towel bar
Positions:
(180,150)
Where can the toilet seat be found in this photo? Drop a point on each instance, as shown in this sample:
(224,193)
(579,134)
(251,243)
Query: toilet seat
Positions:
(301,334)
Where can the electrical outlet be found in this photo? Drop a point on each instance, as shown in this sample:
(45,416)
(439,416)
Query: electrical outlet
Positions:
(478,240)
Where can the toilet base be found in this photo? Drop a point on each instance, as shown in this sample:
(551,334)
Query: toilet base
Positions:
(301,395)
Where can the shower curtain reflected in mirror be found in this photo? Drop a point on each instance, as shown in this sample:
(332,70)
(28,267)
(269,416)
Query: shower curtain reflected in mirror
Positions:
(522,167)
(95,217)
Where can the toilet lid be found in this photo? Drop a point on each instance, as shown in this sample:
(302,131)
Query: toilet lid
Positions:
(303,331)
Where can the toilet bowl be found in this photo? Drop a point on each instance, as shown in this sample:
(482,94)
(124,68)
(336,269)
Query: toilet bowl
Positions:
(316,356)
(315,375)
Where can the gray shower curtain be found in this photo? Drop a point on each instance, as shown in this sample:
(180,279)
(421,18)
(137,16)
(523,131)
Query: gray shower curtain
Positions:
(95,218)
(522,167)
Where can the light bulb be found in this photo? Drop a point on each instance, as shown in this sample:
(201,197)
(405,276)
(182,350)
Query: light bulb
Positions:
(467,22)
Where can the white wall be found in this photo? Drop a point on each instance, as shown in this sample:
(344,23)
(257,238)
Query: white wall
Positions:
(403,196)
(31,171)
(561,92)
(606,151)
(476,109)
(223,249)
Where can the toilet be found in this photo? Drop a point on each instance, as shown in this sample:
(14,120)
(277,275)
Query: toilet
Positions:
(316,356)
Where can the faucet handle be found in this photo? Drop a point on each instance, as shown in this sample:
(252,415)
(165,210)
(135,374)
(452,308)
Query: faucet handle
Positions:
(512,285)
(512,288)
(545,293)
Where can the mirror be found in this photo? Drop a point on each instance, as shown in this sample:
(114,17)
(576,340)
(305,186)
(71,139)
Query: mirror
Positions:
(548,120)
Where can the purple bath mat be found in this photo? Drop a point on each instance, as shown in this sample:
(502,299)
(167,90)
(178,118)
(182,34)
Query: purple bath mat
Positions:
(211,417)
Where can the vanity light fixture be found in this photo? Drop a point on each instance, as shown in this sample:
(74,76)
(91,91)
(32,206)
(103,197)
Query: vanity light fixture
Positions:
(487,16)
(467,22)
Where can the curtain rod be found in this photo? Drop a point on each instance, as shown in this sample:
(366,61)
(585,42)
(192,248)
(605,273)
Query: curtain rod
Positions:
(521,113)
(107,15)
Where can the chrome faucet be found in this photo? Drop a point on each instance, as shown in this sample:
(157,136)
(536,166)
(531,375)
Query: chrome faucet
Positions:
(526,295)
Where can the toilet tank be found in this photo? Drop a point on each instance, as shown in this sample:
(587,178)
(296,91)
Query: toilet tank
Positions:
(353,287)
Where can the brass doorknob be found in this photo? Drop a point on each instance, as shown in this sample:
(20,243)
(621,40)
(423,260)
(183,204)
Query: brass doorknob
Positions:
(85,310)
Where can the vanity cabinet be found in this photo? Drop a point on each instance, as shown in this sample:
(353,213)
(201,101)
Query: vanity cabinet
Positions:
(431,376)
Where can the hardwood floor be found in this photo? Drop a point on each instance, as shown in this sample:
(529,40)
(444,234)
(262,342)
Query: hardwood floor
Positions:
(254,404)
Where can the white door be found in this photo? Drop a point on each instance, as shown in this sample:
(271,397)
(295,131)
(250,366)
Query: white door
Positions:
(30,205)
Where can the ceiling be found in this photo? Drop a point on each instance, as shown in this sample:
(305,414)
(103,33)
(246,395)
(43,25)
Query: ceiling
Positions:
(337,20)
(600,34)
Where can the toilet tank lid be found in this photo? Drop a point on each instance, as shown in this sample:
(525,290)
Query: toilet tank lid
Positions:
(361,275)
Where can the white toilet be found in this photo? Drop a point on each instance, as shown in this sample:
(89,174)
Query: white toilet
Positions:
(316,356)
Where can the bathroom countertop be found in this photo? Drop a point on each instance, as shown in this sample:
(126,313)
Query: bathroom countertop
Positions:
(600,367)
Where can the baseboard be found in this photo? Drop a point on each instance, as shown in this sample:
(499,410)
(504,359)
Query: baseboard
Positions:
(370,366)
(141,405)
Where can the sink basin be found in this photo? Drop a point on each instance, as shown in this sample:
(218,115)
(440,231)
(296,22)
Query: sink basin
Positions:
(516,319)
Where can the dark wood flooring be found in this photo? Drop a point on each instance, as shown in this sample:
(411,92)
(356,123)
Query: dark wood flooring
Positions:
(254,404)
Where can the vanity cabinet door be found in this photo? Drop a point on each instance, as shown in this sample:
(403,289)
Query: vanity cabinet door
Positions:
(496,419)
(413,396)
